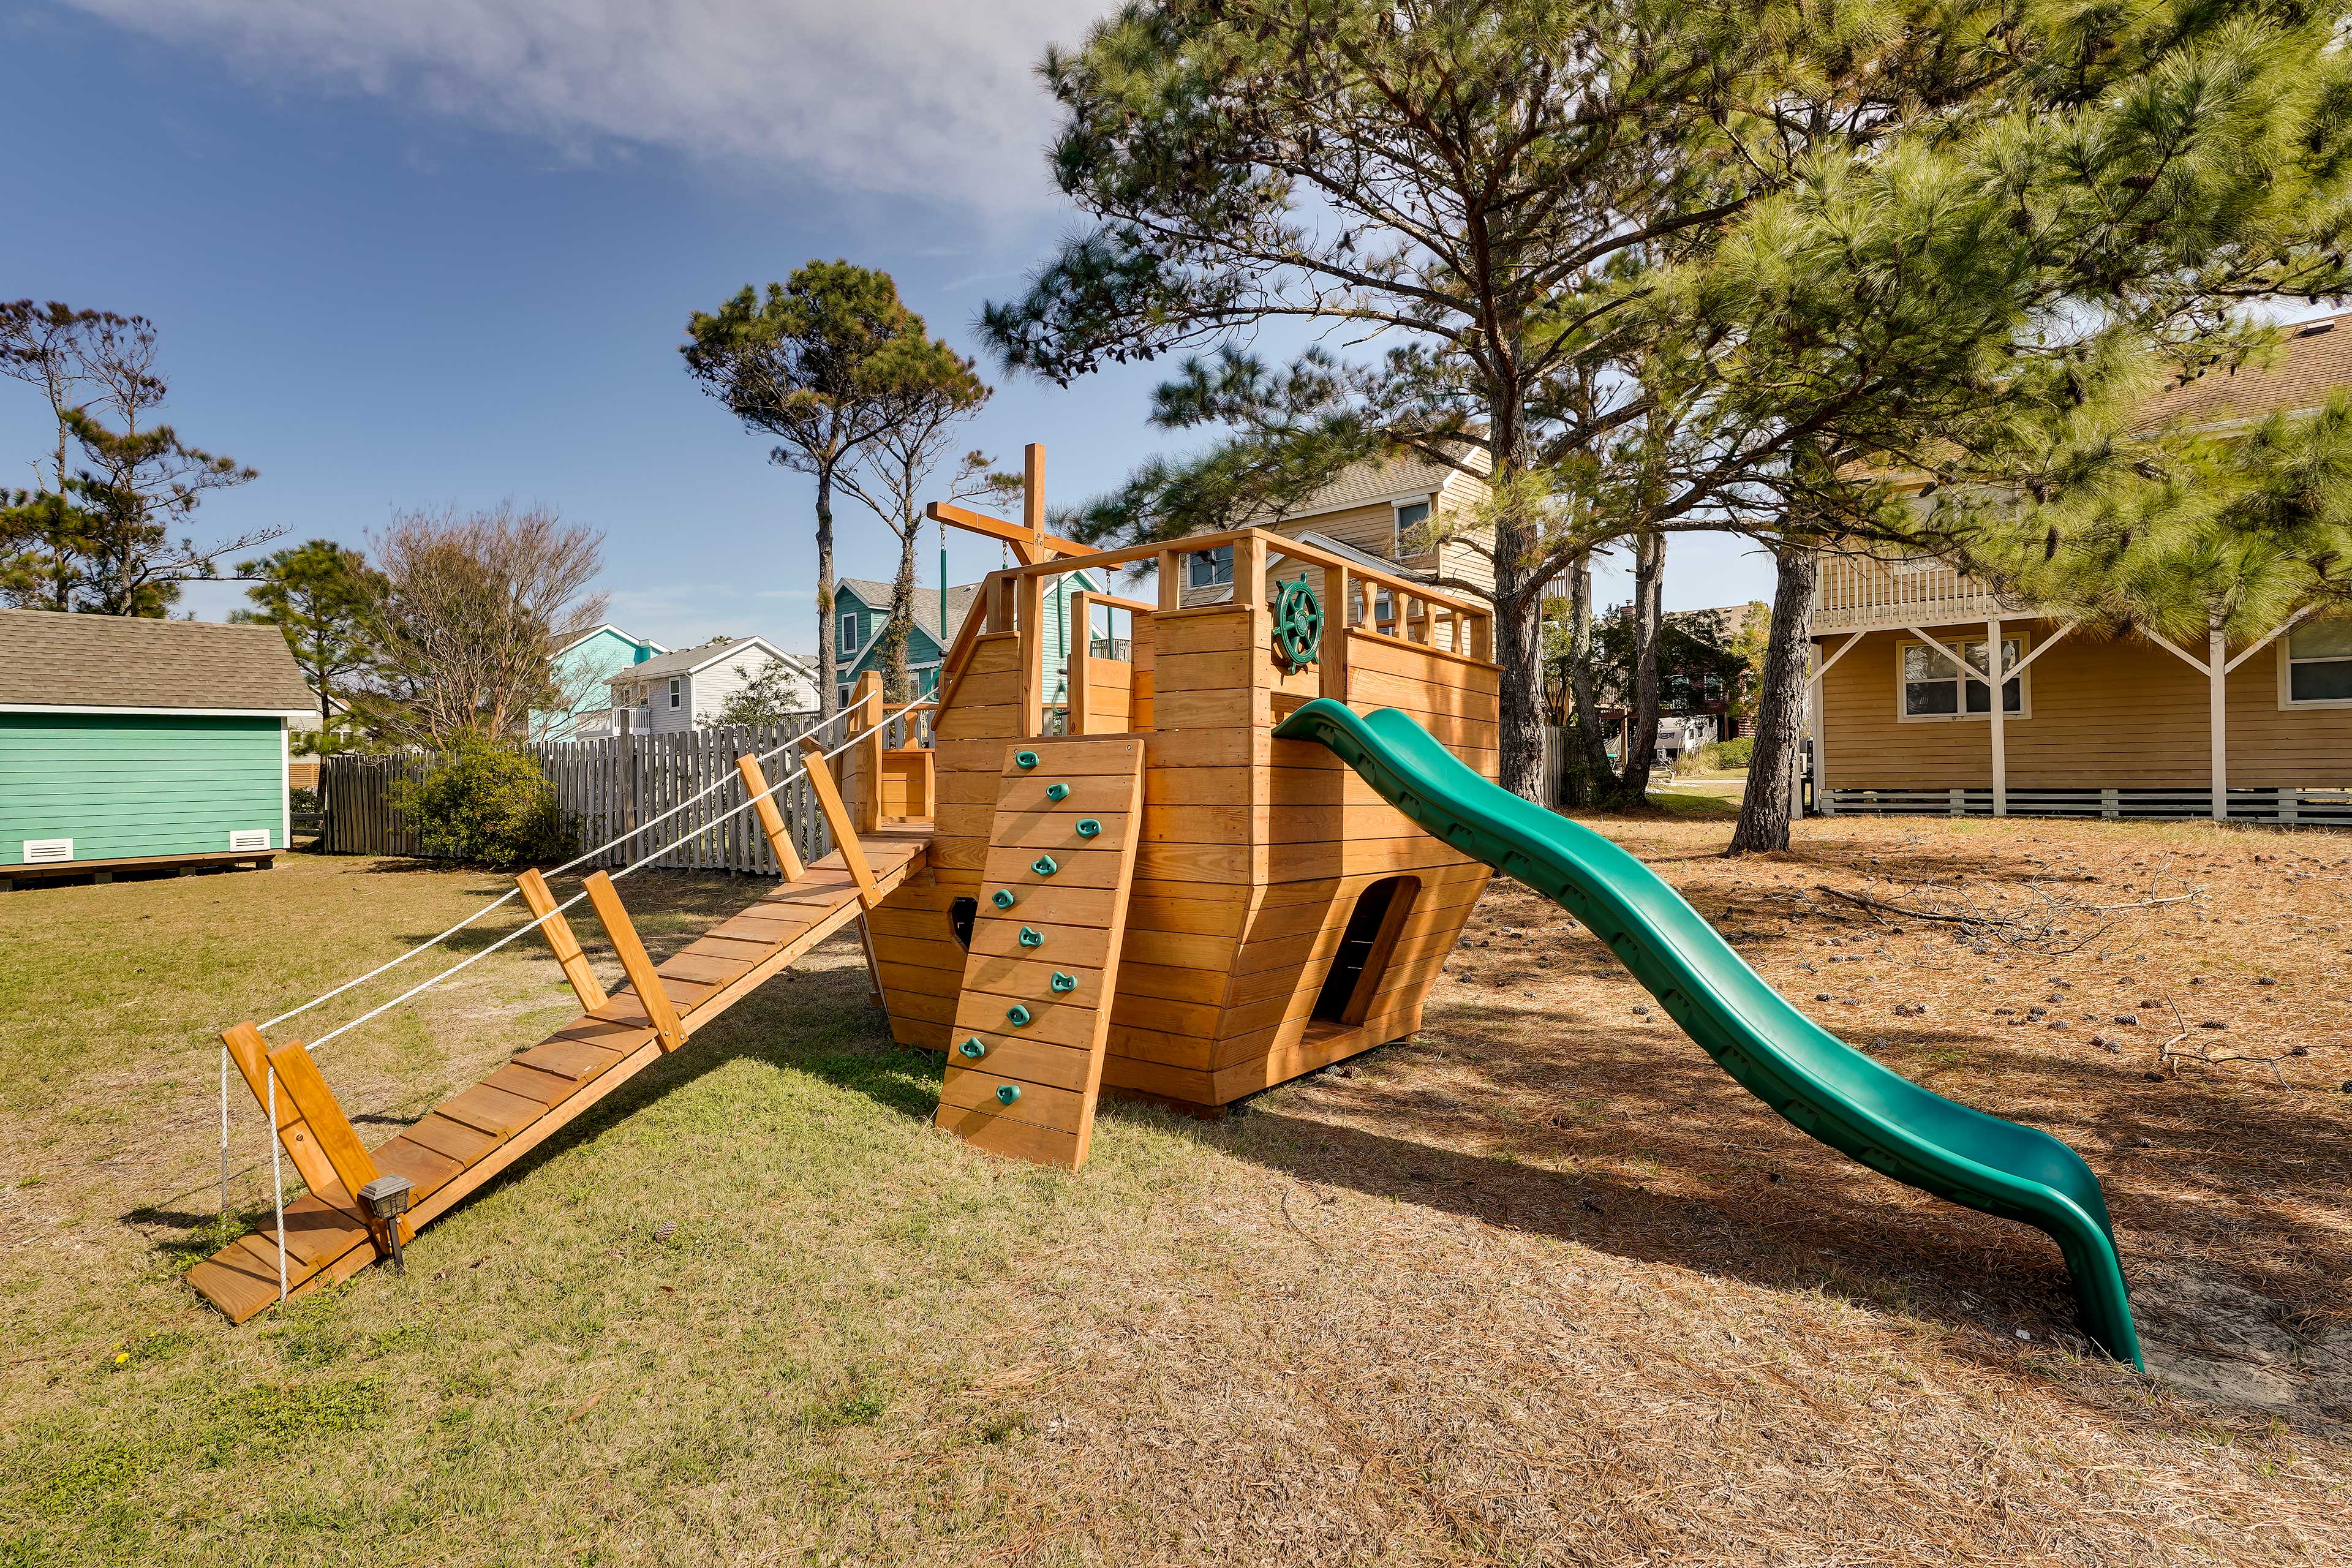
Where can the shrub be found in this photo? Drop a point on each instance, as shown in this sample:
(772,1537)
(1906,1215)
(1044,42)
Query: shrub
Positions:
(1736,752)
(488,806)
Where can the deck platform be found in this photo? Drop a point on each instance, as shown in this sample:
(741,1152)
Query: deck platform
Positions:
(105,871)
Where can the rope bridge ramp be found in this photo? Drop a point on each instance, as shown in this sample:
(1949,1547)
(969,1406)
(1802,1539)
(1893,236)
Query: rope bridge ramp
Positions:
(467,1141)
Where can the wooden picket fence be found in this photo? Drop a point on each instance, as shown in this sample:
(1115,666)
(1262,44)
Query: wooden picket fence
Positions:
(606,786)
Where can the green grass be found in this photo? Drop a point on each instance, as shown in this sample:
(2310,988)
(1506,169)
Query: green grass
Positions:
(1454,1309)
(1679,803)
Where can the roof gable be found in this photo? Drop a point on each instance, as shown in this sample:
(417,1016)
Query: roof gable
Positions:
(608,632)
(689,662)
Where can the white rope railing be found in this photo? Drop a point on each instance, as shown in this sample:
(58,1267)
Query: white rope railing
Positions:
(277,1182)
(625,836)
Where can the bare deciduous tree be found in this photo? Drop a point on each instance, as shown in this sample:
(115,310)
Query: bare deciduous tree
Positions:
(468,617)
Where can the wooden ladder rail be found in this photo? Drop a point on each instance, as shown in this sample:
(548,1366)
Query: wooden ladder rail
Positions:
(837,818)
(561,942)
(660,1011)
(771,818)
(318,1137)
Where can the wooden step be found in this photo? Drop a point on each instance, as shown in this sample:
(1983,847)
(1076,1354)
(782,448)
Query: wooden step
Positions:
(467,1141)
(1031,1089)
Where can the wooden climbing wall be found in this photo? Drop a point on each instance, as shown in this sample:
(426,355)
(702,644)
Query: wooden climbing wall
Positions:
(1025,1059)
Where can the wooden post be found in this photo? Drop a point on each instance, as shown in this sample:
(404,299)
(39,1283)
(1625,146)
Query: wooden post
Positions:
(634,959)
(1249,568)
(864,766)
(251,1054)
(1999,726)
(1030,619)
(1171,580)
(1033,495)
(2216,687)
(772,819)
(836,817)
(299,1081)
(561,943)
(998,591)
(1081,648)
(628,784)
(1331,658)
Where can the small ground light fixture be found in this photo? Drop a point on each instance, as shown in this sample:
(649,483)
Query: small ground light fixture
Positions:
(387,1199)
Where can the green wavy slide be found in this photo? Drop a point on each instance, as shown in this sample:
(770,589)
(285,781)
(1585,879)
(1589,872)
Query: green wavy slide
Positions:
(1818,1082)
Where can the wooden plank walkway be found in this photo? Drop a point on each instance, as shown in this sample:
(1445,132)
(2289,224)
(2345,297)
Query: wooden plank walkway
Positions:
(468,1139)
(1025,1065)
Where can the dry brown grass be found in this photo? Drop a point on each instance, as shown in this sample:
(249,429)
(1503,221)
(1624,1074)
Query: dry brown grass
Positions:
(1539,1287)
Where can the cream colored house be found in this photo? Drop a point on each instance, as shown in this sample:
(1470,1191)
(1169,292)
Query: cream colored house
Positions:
(1902,717)
(1380,514)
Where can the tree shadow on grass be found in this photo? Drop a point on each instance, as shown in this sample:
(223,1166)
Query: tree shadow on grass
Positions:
(1632,1143)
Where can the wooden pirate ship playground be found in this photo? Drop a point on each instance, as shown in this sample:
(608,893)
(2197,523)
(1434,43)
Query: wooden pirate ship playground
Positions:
(1239,850)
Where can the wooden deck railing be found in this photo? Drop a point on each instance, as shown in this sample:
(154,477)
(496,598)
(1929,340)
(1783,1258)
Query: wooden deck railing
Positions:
(1866,593)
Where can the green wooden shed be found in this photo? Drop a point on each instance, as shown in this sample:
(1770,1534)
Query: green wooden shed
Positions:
(137,745)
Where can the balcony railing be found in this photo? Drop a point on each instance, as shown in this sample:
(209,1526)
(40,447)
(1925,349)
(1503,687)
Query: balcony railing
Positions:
(1863,592)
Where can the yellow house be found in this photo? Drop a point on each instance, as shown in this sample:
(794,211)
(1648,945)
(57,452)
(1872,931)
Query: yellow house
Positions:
(1378,514)
(1903,718)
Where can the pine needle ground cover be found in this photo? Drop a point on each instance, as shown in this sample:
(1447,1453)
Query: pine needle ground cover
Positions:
(1538,1287)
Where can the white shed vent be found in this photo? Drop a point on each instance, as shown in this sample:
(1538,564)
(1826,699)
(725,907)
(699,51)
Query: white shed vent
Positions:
(251,838)
(41,851)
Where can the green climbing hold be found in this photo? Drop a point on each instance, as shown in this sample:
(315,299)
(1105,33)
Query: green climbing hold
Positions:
(1024,759)
(1017,1016)
(1088,827)
(1002,899)
(973,1049)
(1006,1093)
(1062,982)
(1032,937)
(1058,792)
(1043,866)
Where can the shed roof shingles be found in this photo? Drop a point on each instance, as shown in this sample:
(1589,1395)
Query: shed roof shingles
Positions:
(52,660)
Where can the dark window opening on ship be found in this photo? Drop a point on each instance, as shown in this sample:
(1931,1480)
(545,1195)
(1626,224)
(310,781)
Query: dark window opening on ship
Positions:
(1373,926)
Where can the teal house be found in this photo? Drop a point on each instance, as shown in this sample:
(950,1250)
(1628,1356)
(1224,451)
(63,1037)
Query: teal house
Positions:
(861,608)
(136,746)
(585,669)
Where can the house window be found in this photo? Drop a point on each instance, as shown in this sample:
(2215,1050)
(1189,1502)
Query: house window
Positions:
(1209,568)
(847,641)
(1410,515)
(677,689)
(1933,689)
(2315,665)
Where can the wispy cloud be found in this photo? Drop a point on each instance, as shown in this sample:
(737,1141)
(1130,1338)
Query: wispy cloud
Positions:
(928,97)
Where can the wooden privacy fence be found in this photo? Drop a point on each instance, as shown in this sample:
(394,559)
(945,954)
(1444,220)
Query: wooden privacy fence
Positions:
(607,786)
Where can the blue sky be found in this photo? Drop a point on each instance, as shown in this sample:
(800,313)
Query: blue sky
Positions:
(440,254)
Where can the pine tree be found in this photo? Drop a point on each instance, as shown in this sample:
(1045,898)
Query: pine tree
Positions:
(1651,268)
(320,594)
(803,364)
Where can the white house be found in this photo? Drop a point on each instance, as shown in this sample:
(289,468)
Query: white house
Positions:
(686,691)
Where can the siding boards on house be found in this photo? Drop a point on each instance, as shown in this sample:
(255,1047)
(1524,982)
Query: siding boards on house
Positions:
(2116,714)
(130,785)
